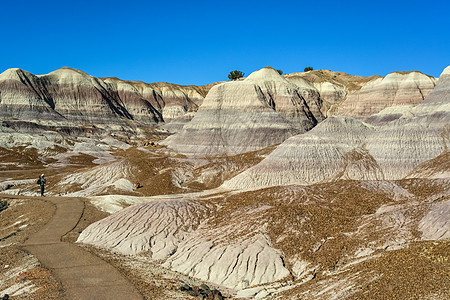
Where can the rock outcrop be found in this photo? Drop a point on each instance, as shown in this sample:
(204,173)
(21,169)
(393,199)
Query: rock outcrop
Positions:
(360,97)
(327,87)
(235,117)
(69,97)
(397,88)
(345,148)
(174,232)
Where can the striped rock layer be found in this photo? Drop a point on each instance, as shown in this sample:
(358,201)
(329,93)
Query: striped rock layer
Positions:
(71,97)
(240,116)
(347,148)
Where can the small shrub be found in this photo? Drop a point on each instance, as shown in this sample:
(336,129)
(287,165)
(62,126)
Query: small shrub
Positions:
(307,69)
(280,72)
(234,75)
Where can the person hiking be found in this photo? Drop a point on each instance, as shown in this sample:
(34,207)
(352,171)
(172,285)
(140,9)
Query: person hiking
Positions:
(41,181)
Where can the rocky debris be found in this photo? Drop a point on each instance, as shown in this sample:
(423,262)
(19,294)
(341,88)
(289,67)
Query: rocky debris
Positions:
(137,185)
(149,144)
(240,116)
(202,292)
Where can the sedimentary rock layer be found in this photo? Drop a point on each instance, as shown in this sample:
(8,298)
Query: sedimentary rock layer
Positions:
(235,117)
(345,148)
(72,97)
(397,88)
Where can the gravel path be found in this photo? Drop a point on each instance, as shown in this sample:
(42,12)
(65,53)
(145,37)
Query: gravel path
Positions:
(82,274)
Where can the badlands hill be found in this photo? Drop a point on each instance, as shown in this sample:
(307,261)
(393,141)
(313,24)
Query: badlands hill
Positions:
(70,98)
(347,148)
(360,97)
(350,206)
(266,108)
(241,116)
(347,210)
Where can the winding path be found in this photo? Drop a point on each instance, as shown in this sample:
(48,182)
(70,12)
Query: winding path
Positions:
(82,274)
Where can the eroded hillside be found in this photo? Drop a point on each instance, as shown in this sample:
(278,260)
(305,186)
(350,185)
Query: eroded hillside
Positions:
(259,193)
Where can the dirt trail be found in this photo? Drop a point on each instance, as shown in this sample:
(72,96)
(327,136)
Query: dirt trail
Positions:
(82,274)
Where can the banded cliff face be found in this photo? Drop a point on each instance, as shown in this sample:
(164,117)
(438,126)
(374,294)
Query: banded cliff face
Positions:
(347,148)
(397,88)
(361,97)
(236,117)
(71,97)
(327,87)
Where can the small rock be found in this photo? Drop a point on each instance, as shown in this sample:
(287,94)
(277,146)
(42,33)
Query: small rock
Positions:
(185,288)
(205,288)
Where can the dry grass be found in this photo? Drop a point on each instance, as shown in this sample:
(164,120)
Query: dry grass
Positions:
(421,270)
(352,82)
(19,158)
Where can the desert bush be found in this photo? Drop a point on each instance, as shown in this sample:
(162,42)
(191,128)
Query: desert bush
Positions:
(308,69)
(235,75)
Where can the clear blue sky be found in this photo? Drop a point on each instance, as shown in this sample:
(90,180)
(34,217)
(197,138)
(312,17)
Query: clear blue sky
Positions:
(199,42)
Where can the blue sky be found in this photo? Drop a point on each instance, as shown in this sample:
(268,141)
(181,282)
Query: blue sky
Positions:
(199,42)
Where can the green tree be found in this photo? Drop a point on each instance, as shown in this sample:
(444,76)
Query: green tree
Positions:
(235,75)
(308,69)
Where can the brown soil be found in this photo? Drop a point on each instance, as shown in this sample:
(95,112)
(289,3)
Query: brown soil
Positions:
(26,158)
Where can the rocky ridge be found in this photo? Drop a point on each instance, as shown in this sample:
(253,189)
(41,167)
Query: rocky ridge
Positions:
(240,116)
(360,97)
(397,88)
(70,98)
(347,148)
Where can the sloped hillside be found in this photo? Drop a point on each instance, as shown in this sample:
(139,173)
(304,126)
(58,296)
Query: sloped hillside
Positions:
(346,148)
(236,117)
